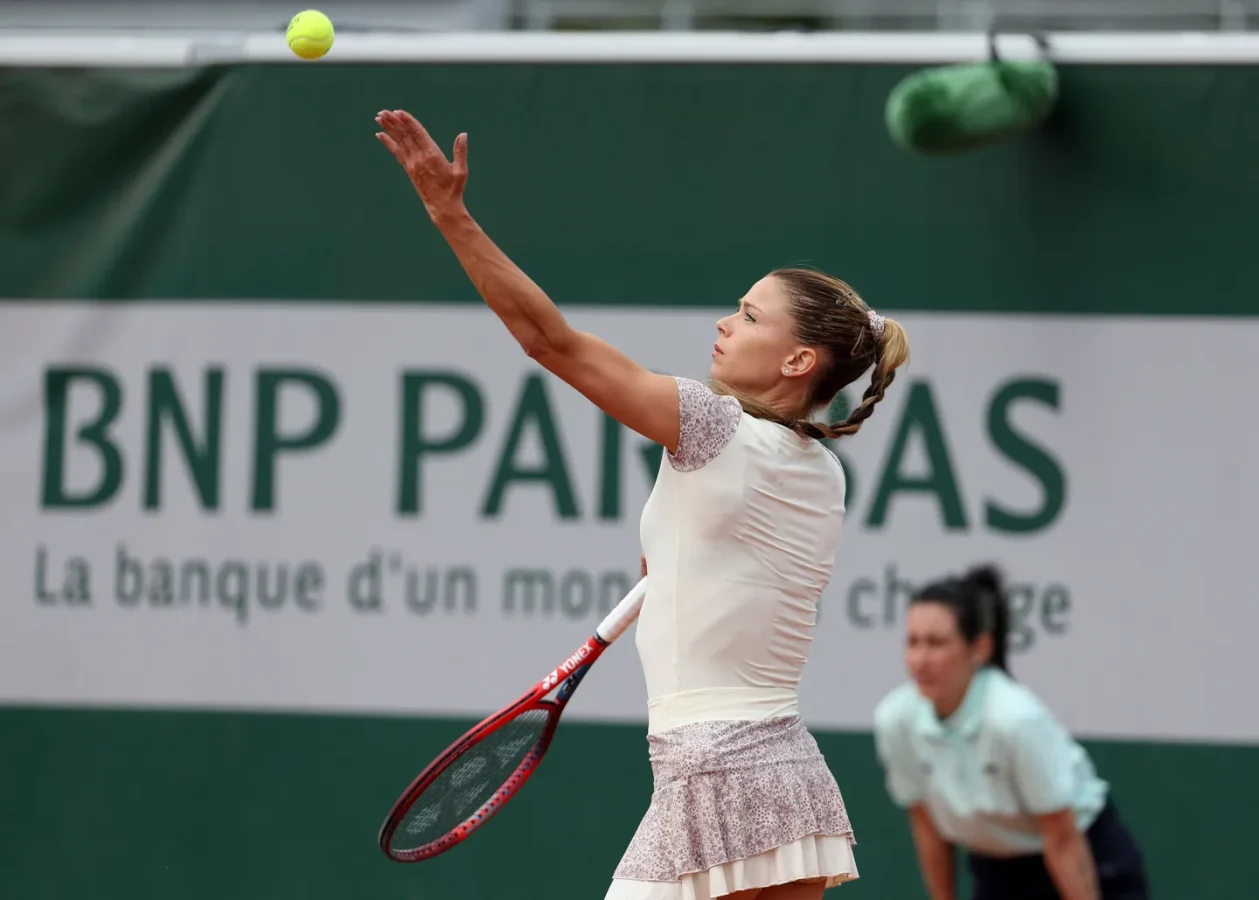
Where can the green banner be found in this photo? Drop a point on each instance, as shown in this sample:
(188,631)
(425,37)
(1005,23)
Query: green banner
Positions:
(634,184)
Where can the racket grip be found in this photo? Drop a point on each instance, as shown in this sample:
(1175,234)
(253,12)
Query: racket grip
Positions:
(623,614)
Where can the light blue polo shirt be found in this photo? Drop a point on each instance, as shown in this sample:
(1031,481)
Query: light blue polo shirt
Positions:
(988,770)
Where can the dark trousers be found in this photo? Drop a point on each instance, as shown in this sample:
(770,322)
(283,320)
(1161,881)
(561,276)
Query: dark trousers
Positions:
(1120,868)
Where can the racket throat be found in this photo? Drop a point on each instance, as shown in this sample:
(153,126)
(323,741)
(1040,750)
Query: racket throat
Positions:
(570,683)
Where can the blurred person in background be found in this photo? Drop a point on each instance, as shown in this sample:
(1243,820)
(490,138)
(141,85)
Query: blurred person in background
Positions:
(982,764)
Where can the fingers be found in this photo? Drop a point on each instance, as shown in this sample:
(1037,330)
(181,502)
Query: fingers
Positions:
(390,143)
(410,123)
(405,130)
(391,125)
(418,153)
(461,154)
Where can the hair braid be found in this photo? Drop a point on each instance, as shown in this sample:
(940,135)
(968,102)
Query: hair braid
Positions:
(849,338)
(880,380)
(879,383)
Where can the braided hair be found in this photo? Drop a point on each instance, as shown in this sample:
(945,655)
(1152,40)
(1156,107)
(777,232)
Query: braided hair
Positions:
(850,337)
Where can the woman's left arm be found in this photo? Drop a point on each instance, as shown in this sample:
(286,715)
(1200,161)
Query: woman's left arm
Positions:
(1068,857)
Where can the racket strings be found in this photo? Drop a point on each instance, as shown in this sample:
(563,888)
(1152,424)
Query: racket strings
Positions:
(470,781)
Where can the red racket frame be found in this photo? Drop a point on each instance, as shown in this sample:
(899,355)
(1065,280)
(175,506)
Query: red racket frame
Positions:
(571,671)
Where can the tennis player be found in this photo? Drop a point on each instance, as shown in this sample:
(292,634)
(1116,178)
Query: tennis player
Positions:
(982,764)
(739,536)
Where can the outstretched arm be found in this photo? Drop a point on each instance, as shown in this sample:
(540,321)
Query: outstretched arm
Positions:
(636,397)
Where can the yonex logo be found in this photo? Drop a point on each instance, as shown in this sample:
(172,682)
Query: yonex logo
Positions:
(571,663)
(566,667)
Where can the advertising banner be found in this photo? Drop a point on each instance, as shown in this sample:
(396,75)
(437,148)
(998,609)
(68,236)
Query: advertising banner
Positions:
(384,508)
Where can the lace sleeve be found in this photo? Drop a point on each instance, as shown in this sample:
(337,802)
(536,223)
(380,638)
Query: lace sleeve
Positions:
(708,422)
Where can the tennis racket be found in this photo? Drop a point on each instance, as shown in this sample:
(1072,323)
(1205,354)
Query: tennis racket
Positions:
(472,778)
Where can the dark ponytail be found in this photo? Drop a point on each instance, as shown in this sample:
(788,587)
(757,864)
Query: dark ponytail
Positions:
(979,605)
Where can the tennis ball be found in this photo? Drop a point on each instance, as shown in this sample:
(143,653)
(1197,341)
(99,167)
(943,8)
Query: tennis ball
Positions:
(310,34)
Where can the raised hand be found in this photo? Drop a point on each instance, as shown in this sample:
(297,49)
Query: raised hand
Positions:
(438,181)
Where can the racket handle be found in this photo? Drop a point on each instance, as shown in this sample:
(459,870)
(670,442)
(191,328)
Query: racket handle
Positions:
(623,614)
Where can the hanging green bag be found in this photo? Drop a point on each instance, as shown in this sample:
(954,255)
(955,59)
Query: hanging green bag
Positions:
(949,109)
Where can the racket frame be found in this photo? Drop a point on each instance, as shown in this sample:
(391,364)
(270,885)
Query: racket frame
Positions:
(566,676)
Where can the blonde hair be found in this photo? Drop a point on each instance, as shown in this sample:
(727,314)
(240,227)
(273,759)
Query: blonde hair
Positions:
(831,316)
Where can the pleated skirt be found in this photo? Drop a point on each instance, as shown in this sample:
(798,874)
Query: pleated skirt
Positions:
(736,805)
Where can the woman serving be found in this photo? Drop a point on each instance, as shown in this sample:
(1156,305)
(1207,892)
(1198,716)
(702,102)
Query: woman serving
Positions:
(739,536)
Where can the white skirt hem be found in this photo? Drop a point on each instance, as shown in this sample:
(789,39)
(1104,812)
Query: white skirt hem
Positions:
(812,858)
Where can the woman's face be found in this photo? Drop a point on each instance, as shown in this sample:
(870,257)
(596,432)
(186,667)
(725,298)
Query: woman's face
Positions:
(937,656)
(755,343)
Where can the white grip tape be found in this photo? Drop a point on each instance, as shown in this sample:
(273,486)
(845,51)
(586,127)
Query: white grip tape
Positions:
(623,614)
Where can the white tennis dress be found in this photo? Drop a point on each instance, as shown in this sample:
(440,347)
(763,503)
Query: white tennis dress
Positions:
(740,534)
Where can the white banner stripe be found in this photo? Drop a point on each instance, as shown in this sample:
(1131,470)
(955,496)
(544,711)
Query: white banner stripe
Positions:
(1123,444)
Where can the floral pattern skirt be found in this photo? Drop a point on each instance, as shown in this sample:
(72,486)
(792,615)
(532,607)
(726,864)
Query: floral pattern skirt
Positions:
(736,805)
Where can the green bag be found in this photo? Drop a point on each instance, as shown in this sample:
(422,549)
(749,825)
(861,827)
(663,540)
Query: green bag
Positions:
(948,109)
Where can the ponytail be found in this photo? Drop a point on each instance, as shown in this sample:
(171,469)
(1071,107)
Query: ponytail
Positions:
(986,585)
(890,353)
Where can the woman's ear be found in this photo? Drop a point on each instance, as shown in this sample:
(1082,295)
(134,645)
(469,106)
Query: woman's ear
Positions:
(802,362)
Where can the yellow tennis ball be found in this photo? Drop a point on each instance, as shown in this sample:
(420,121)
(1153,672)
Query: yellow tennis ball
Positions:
(310,34)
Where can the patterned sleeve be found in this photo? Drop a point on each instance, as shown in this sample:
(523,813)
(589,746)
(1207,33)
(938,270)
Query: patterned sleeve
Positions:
(708,422)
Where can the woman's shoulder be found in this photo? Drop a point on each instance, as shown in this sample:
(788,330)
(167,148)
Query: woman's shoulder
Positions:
(707,422)
(695,395)
(1010,706)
